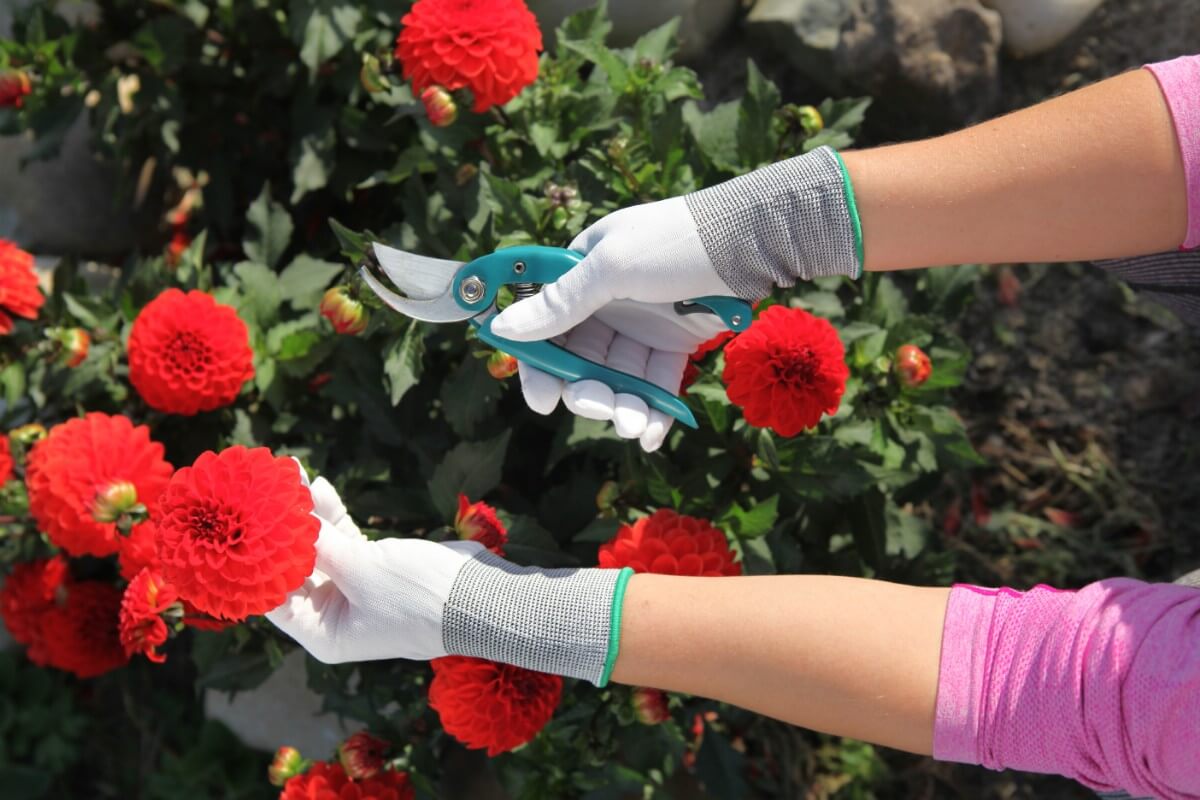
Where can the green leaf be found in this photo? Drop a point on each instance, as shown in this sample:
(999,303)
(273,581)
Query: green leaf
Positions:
(259,293)
(531,544)
(719,767)
(604,58)
(716,133)
(354,244)
(12,378)
(472,468)
(268,229)
(305,279)
(402,361)
(755,131)
(322,29)
(469,396)
(314,165)
(590,25)
(658,44)
(868,525)
(756,521)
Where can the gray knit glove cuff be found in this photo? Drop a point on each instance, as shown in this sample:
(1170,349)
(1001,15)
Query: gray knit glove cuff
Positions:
(795,220)
(560,621)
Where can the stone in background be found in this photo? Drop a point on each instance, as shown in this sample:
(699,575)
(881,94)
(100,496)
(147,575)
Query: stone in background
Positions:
(702,22)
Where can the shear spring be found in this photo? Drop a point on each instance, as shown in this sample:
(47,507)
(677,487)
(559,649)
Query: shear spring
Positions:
(523,290)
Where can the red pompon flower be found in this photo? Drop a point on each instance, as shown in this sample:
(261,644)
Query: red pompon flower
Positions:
(141,626)
(668,543)
(29,591)
(78,460)
(348,316)
(913,366)
(488,46)
(786,370)
(650,706)
(326,781)
(15,85)
(484,704)
(236,532)
(478,522)
(138,550)
(7,464)
(19,293)
(188,353)
(362,755)
(82,635)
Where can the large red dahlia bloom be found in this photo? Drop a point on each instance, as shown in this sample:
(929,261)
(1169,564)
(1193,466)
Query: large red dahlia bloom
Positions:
(326,781)
(488,46)
(81,635)
(19,293)
(485,704)
(6,461)
(786,370)
(141,626)
(668,543)
(29,591)
(236,532)
(80,459)
(188,353)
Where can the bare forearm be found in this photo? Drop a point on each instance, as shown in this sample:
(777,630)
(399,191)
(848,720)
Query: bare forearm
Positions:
(1093,174)
(846,656)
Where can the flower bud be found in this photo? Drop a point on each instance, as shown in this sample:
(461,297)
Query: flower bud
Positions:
(464,174)
(478,522)
(28,434)
(501,365)
(180,241)
(362,755)
(288,763)
(347,314)
(75,343)
(14,86)
(561,196)
(439,106)
(913,367)
(650,706)
(371,75)
(115,501)
(810,120)
(607,497)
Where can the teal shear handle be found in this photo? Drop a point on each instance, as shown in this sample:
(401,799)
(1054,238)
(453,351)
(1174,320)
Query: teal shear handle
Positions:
(533,264)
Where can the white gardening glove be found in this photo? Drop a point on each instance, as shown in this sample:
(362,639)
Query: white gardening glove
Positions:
(370,600)
(617,308)
(417,599)
(791,221)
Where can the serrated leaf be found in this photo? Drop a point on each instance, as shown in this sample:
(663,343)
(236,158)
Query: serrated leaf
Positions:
(472,468)
(322,29)
(755,132)
(868,525)
(402,362)
(469,395)
(314,164)
(604,58)
(258,295)
(305,279)
(757,520)
(589,25)
(268,229)
(658,44)
(715,132)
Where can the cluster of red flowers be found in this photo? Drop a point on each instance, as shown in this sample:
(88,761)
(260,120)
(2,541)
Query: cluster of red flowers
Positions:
(188,353)
(327,781)
(488,46)
(19,293)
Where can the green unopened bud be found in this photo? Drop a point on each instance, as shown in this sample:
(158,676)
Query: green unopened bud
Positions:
(288,763)
(372,75)
(118,503)
(606,498)
(27,434)
(810,120)
(617,147)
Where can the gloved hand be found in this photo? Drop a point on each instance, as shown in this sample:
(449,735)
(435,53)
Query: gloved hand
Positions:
(412,598)
(791,220)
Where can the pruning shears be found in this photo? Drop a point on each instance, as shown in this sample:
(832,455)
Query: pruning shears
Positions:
(442,290)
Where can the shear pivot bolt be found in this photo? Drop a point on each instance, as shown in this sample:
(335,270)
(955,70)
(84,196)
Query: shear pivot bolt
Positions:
(472,289)
(519,267)
(736,319)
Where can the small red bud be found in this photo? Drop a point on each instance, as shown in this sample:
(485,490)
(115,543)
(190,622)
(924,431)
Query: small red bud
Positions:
(650,706)
(288,763)
(14,86)
(913,367)
(347,314)
(439,106)
(113,501)
(501,365)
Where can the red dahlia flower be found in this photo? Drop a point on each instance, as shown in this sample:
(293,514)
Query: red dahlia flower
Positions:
(667,543)
(78,460)
(485,704)
(325,781)
(188,353)
(362,755)
(6,461)
(138,550)
(19,293)
(82,635)
(478,522)
(141,624)
(786,370)
(29,591)
(14,86)
(488,46)
(236,532)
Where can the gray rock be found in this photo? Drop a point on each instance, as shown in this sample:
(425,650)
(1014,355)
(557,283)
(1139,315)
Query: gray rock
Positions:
(1034,26)
(701,21)
(930,64)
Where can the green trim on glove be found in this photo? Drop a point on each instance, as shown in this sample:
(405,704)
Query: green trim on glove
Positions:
(614,630)
(854,218)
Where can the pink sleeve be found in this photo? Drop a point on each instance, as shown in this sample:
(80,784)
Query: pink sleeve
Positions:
(1180,83)
(1101,685)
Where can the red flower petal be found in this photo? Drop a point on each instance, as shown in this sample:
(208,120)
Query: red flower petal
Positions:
(488,705)
(668,543)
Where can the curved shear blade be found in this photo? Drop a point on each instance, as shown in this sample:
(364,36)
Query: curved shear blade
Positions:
(438,309)
(419,277)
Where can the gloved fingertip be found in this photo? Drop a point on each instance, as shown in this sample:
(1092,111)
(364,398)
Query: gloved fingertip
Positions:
(656,432)
(541,390)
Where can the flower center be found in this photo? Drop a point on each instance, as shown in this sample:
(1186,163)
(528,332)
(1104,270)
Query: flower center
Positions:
(215,526)
(796,368)
(188,352)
